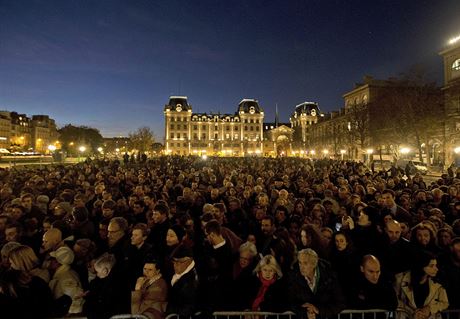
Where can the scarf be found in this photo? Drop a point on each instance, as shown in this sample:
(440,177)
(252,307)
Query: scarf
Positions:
(262,290)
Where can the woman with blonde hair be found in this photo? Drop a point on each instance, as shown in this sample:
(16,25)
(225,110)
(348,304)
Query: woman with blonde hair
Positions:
(265,291)
(31,283)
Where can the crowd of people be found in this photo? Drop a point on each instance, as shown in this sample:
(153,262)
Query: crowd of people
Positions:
(186,235)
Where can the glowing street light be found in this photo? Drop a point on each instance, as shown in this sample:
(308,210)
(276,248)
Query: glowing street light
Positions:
(100,149)
(457,150)
(342,152)
(454,40)
(51,148)
(369,151)
(82,149)
(405,150)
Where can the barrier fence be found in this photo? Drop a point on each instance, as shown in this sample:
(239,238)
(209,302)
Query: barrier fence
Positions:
(346,314)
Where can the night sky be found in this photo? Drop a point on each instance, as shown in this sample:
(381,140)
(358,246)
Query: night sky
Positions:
(113,64)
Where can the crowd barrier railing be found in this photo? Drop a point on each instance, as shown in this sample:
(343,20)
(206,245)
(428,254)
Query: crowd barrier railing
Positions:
(451,314)
(129,316)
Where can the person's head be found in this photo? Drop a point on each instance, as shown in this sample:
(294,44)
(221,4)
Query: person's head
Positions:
(445,236)
(108,208)
(455,249)
(308,261)
(138,207)
(393,231)
(51,239)
(370,267)
(151,268)
(139,234)
(104,265)
(27,201)
(267,225)
(424,266)
(423,234)
(160,213)
(182,258)
(175,235)
(340,241)
(116,230)
(268,268)
(80,200)
(63,256)
(23,258)
(13,232)
(327,234)
(212,231)
(17,212)
(84,249)
(388,197)
(5,253)
(247,251)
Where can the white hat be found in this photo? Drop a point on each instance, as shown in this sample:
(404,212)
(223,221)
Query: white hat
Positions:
(64,255)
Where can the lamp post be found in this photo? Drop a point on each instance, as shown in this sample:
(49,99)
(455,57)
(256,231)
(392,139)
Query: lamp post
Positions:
(81,149)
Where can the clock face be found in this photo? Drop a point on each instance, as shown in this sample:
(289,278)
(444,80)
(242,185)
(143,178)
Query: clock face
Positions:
(252,110)
(178,108)
(313,112)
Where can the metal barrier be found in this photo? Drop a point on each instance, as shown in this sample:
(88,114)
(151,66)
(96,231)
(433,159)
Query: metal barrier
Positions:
(451,314)
(366,314)
(252,315)
(129,316)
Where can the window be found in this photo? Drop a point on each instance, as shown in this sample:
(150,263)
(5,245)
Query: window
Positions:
(185,126)
(245,127)
(172,126)
(456,65)
(252,128)
(184,145)
(216,136)
(195,136)
(172,135)
(172,144)
(178,135)
(195,127)
(216,128)
(227,128)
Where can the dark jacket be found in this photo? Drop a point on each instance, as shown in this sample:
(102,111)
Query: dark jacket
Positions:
(183,295)
(365,295)
(328,297)
(106,298)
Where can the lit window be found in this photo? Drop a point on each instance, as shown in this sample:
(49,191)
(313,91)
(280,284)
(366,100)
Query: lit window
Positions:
(456,65)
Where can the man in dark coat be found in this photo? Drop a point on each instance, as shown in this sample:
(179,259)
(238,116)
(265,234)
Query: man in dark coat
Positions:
(218,269)
(183,295)
(371,291)
(313,288)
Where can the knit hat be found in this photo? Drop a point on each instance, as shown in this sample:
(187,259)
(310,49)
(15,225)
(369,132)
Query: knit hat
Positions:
(43,199)
(64,255)
(179,231)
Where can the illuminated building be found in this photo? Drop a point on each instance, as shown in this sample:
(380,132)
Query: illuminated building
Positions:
(188,133)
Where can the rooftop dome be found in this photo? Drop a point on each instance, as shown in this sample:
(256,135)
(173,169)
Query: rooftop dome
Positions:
(249,106)
(307,108)
(178,103)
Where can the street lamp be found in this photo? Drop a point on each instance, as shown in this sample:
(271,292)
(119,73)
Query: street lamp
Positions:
(342,152)
(405,150)
(51,148)
(82,149)
(457,150)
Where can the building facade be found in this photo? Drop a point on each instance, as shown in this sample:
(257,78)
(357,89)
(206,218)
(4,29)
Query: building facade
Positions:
(451,91)
(18,132)
(188,133)
(304,116)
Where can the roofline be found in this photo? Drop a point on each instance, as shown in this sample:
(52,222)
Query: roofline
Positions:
(248,100)
(177,97)
(306,102)
(364,86)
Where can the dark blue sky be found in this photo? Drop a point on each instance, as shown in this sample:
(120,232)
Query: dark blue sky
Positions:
(113,64)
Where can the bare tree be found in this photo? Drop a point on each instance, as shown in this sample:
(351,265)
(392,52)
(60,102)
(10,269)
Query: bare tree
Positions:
(411,112)
(142,139)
